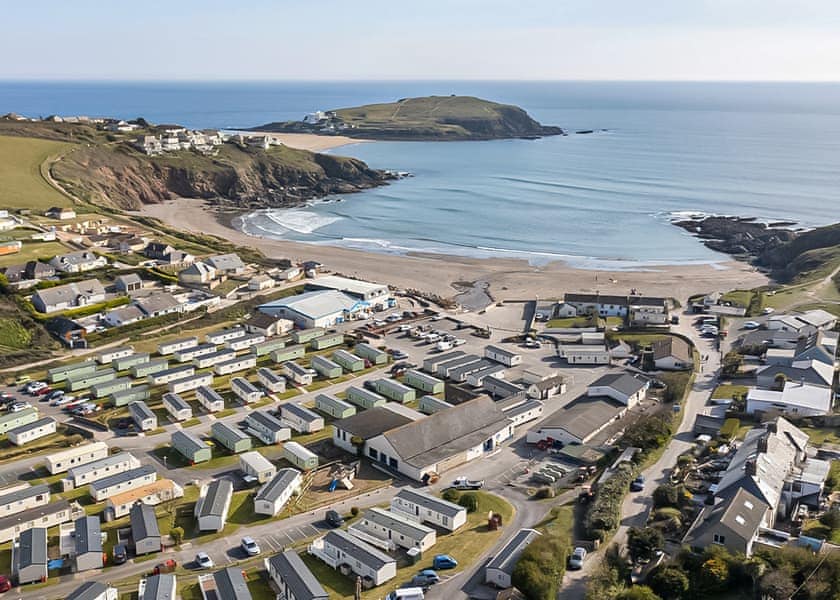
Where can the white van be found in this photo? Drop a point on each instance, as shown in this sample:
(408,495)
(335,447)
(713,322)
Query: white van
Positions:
(413,593)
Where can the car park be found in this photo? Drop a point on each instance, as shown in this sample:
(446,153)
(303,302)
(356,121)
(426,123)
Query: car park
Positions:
(250,547)
(576,559)
(334,519)
(444,561)
(203,560)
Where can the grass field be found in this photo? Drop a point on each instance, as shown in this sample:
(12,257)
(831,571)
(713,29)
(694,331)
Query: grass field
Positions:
(728,392)
(31,251)
(13,334)
(21,183)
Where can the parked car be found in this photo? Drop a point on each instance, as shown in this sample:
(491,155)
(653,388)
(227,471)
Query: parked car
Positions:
(399,355)
(444,561)
(54,394)
(638,484)
(120,554)
(405,327)
(370,385)
(437,317)
(425,578)
(768,311)
(250,547)
(5,584)
(62,400)
(462,483)
(21,379)
(406,593)
(43,391)
(532,343)
(576,559)
(19,406)
(203,560)
(444,345)
(393,318)
(334,519)
(34,386)
(752,325)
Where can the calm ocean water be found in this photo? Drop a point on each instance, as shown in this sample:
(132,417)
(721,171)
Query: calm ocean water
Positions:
(766,150)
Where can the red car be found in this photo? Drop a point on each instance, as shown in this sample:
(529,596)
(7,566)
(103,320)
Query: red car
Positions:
(5,584)
(43,391)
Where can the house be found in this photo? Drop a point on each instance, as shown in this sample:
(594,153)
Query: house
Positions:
(71,295)
(297,374)
(191,447)
(106,487)
(245,390)
(273,495)
(35,269)
(375,294)
(339,549)
(30,432)
(69,332)
(579,421)
(323,308)
(812,372)
(87,539)
(352,433)
(788,323)
(425,448)
(159,304)
(390,530)
(198,273)
(502,355)
(497,387)
(546,388)
(59,462)
(157,587)
(499,571)
(158,250)
(733,522)
(213,504)
(225,584)
(99,469)
(293,578)
(145,534)
(300,456)
(672,353)
(257,466)
(29,556)
(60,214)
(93,590)
(267,428)
(177,407)
(289,274)
(796,399)
(334,407)
(622,387)
(143,416)
(597,304)
(271,381)
(645,311)
(267,325)
(817,346)
(162,490)
(259,283)
(128,283)
(230,264)
(78,262)
(425,508)
(230,437)
(209,399)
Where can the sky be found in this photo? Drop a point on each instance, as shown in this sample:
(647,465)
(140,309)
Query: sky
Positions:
(765,40)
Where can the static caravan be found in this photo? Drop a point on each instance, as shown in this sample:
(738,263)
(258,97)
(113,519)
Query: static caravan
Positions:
(152,494)
(107,356)
(444,368)
(193,382)
(431,363)
(585,355)
(245,390)
(232,438)
(502,355)
(102,468)
(13,420)
(165,348)
(389,530)
(235,365)
(245,342)
(267,428)
(425,383)
(162,377)
(30,432)
(293,578)
(348,361)
(191,447)
(24,497)
(374,355)
(256,465)
(271,381)
(301,419)
(476,379)
(122,482)
(225,335)
(273,495)
(123,397)
(87,545)
(327,341)
(29,556)
(209,399)
(303,336)
(157,587)
(289,353)
(430,405)
(120,384)
(177,407)
(142,415)
(213,504)
(335,408)
(325,367)
(60,462)
(79,381)
(500,388)
(300,456)
(297,374)
(193,352)
(149,368)
(499,571)
(145,534)
(339,548)
(523,412)
(268,346)
(126,362)
(214,358)
(426,508)
(394,390)
(462,373)
(365,398)
(59,374)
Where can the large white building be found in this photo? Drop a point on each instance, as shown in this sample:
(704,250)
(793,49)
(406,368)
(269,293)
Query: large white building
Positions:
(796,399)
(322,308)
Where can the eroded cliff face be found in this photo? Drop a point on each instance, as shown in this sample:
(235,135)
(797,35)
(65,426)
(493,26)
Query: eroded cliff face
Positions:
(120,177)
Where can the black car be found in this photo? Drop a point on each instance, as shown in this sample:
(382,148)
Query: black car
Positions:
(334,519)
(370,385)
(120,554)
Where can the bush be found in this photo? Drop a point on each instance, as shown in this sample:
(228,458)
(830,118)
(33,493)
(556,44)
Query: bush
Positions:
(604,512)
(666,495)
(637,592)
(670,583)
(730,428)
(544,492)
(642,542)
(469,501)
(541,567)
(648,433)
(177,534)
(451,495)
(354,511)
(831,518)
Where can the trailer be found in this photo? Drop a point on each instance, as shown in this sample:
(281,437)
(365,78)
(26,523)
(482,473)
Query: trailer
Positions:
(301,419)
(107,356)
(288,353)
(444,368)
(257,466)
(302,336)
(502,355)
(149,368)
(193,352)
(430,405)
(245,342)
(297,374)
(300,456)
(122,398)
(327,341)
(231,438)
(191,447)
(209,399)
(175,373)
(224,335)
(348,361)
(126,362)
(214,358)
(334,407)
(365,398)
(177,407)
(235,365)
(245,390)
(462,373)
(166,348)
(326,368)
(142,415)
(431,363)
(394,390)
(268,346)
(100,390)
(59,374)
(368,352)
(274,383)
(425,383)
(80,381)
(190,383)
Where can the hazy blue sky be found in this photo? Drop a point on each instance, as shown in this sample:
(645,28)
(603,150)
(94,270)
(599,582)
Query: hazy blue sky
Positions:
(422,39)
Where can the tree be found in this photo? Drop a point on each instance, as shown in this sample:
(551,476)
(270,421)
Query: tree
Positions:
(831,518)
(713,575)
(776,584)
(671,583)
(666,495)
(641,543)
(732,362)
(451,495)
(469,501)
(637,592)
(779,381)
(177,535)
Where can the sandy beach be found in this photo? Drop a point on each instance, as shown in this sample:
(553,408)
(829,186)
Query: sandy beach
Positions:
(506,278)
(312,142)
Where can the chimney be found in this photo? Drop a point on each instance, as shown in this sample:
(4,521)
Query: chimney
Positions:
(762,443)
(750,468)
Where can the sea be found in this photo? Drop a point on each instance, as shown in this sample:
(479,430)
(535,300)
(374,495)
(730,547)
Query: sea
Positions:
(657,151)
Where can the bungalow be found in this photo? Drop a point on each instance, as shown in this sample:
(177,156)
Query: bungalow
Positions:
(103,489)
(145,534)
(29,556)
(214,358)
(259,283)
(256,465)
(300,456)
(87,544)
(425,508)
(499,570)
(394,390)
(226,263)
(61,214)
(364,398)
(162,490)
(142,415)
(198,273)
(128,283)
(812,372)
(213,503)
(177,407)
(352,434)
(297,374)
(192,382)
(579,421)
(158,250)
(334,407)
(672,353)
(267,325)
(348,361)
(293,578)
(796,399)
(273,495)
(158,305)
(388,530)
(584,354)
(274,383)
(30,432)
(373,355)
(624,388)
(340,550)
(165,348)
(69,332)
(300,419)
(235,365)
(231,438)
(59,462)
(125,315)
(71,295)
(502,355)
(78,262)
(191,447)
(209,398)
(102,468)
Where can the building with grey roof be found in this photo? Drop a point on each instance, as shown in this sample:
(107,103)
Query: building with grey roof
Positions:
(266,427)
(620,386)
(388,530)
(24,497)
(364,426)
(273,495)
(158,587)
(87,538)
(499,570)
(145,534)
(340,548)
(301,419)
(733,523)
(30,432)
(142,415)
(93,590)
(293,578)
(213,504)
(122,482)
(104,467)
(29,556)
(71,295)
(426,508)
(579,421)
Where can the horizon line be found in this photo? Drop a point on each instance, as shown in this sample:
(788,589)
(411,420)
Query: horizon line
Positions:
(403,80)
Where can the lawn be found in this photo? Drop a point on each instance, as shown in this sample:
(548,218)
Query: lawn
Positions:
(465,545)
(21,182)
(822,435)
(728,392)
(32,251)
(13,334)
(571,322)
(740,298)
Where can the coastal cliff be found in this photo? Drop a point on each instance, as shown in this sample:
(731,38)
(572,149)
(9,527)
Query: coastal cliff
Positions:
(430,118)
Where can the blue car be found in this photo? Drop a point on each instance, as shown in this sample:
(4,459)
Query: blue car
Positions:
(638,484)
(444,561)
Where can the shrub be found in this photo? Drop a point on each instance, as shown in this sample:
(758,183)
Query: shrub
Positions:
(469,501)
(712,576)
(604,511)
(666,495)
(670,583)
(177,534)
(544,492)
(354,511)
(730,428)
(637,592)
(451,495)
(642,542)
(831,518)
(648,433)
(541,567)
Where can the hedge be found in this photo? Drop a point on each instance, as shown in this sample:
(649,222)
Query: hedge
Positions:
(604,514)
(730,428)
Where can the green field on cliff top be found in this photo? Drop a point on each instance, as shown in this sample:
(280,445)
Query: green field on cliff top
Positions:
(21,183)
